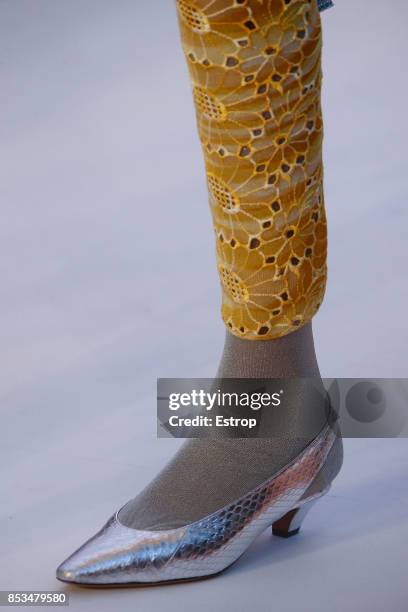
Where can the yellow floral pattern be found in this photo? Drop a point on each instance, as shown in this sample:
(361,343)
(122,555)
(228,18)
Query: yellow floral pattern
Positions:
(255,67)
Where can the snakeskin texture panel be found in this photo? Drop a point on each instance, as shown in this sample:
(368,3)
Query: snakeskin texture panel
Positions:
(118,554)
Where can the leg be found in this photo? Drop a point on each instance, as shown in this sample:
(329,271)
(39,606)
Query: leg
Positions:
(255,71)
(256,80)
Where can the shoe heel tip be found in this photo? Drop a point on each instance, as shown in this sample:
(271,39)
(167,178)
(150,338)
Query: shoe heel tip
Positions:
(285,534)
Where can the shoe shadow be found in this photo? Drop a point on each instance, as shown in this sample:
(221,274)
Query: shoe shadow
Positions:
(352,512)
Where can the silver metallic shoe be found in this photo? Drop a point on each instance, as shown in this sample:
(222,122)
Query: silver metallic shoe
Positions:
(119,555)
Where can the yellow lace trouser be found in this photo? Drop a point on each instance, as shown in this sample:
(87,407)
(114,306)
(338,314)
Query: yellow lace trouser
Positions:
(255,68)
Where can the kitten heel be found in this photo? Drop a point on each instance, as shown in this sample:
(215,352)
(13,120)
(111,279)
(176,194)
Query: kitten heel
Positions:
(290,524)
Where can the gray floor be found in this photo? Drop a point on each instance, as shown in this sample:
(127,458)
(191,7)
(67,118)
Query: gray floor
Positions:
(108,282)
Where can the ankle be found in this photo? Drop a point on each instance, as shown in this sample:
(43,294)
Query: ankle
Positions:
(290,356)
